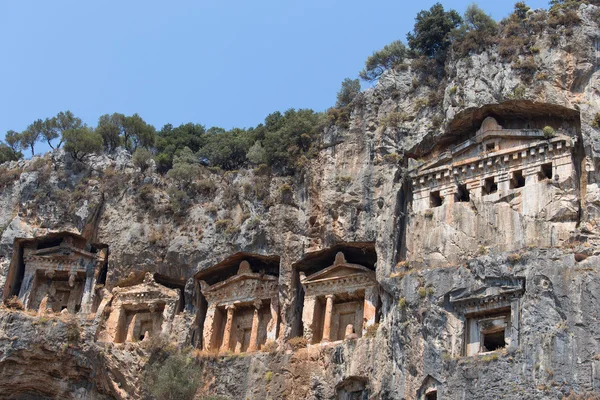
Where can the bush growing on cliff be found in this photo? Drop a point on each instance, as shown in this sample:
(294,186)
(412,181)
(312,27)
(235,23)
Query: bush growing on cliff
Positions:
(557,5)
(141,158)
(350,88)
(596,121)
(110,127)
(288,136)
(390,56)
(185,173)
(549,132)
(475,33)
(227,150)
(82,142)
(8,154)
(179,200)
(171,141)
(431,35)
(257,154)
(298,342)
(175,378)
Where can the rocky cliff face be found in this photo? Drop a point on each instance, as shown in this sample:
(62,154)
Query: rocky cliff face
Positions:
(358,193)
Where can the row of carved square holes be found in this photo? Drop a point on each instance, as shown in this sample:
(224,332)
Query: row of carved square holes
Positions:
(490,186)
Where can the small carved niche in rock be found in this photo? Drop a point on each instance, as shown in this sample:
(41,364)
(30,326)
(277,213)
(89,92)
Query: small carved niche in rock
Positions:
(435,199)
(462,194)
(517,181)
(546,171)
(489,186)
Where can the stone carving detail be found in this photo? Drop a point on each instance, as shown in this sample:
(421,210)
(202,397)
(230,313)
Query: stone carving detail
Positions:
(140,312)
(59,276)
(506,187)
(490,314)
(242,311)
(430,389)
(494,154)
(340,301)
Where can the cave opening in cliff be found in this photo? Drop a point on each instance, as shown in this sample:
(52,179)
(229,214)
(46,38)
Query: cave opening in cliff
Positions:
(435,199)
(517,181)
(462,194)
(362,253)
(489,186)
(220,272)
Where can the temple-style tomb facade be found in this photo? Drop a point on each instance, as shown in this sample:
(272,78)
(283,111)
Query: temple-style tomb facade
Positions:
(503,189)
(340,301)
(492,164)
(140,312)
(242,312)
(58,273)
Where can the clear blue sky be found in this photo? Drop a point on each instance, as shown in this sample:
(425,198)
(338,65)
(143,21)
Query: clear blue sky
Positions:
(218,63)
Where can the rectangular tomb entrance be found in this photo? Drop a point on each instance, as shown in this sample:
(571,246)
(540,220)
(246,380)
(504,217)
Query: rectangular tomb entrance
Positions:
(490,314)
(61,290)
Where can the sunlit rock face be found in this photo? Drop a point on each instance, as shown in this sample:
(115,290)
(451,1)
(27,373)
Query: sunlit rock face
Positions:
(426,252)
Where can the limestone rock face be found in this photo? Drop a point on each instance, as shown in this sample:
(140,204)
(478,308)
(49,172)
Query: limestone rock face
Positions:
(489,297)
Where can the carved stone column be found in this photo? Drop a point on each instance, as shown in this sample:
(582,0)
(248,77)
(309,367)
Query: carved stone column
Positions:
(369,307)
(209,337)
(274,321)
(88,292)
(328,318)
(29,284)
(167,318)
(308,319)
(227,333)
(253,346)
(131,328)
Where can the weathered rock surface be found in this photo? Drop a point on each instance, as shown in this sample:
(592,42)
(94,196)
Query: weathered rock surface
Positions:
(354,191)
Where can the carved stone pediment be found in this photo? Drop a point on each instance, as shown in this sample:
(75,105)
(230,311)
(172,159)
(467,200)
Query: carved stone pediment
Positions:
(342,276)
(246,286)
(491,293)
(516,144)
(241,288)
(148,291)
(61,261)
(339,270)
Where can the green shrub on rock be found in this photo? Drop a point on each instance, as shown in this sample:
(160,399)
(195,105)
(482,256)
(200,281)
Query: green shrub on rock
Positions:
(141,158)
(549,132)
(179,200)
(175,378)
(596,121)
